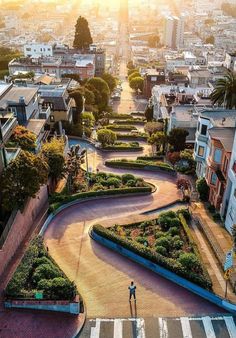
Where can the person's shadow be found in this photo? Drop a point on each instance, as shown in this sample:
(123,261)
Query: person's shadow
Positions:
(133,316)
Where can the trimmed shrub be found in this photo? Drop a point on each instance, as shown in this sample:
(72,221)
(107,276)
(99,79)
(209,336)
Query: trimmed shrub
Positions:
(173,231)
(113,182)
(163,241)
(131,183)
(45,271)
(161,250)
(190,262)
(202,189)
(127,177)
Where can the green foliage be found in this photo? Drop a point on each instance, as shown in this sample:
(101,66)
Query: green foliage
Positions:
(127,177)
(120,127)
(161,250)
(101,92)
(163,241)
(106,137)
(79,102)
(53,152)
(113,182)
(24,138)
(22,179)
(153,256)
(83,37)
(133,70)
(136,83)
(224,91)
(140,164)
(110,80)
(177,138)
(190,262)
(202,189)
(62,199)
(133,75)
(88,119)
(38,269)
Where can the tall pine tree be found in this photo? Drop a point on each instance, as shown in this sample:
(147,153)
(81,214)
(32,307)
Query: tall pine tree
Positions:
(83,37)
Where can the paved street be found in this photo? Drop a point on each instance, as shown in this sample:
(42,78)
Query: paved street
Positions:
(183,327)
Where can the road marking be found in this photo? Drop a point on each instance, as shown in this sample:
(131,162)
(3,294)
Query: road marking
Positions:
(229,322)
(117,328)
(163,328)
(140,328)
(210,333)
(95,331)
(186,328)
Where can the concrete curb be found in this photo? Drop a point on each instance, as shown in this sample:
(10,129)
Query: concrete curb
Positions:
(210,296)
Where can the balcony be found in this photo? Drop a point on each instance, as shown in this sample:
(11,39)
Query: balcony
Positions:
(11,154)
(44,113)
(212,164)
(7,126)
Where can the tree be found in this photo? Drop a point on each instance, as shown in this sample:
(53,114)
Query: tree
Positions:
(110,80)
(149,113)
(101,92)
(136,83)
(173,157)
(24,138)
(225,91)
(88,119)
(130,65)
(177,138)
(153,41)
(83,37)
(106,137)
(133,70)
(202,189)
(133,75)
(158,139)
(53,153)
(153,127)
(22,179)
(210,39)
(79,102)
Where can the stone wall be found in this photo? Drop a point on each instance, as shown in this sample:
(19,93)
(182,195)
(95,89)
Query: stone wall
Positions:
(21,225)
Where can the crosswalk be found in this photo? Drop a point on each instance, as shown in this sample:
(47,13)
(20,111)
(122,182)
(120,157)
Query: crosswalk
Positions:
(181,327)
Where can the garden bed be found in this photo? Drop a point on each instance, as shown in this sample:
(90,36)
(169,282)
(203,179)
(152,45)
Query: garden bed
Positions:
(117,127)
(140,164)
(121,146)
(139,137)
(103,184)
(165,241)
(39,274)
(130,121)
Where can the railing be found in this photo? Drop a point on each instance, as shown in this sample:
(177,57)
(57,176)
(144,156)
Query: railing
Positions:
(7,128)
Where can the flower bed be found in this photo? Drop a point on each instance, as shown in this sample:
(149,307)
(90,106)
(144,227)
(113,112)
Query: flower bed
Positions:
(38,273)
(140,164)
(164,241)
(103,184)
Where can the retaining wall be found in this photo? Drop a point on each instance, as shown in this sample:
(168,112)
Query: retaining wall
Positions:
(210,296)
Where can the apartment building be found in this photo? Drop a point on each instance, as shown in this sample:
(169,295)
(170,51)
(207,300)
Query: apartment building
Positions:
(173,32)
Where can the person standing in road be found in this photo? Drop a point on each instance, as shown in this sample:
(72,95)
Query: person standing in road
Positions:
(132,290)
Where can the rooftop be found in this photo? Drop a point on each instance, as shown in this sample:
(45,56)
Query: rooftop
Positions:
(36,126)
(15,93)
(220,117)
(225,136)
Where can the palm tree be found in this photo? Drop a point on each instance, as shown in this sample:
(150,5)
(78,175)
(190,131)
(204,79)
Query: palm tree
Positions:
(225,91)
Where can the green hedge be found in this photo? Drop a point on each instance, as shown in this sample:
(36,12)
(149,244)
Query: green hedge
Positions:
(168,263)
(38,272)
(130,121)
(62,199)
(150,158)
(131,137)
(120,116)
(140,164)
(120,127)
(122,148)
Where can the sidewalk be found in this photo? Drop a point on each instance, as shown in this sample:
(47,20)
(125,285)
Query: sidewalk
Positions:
(219,241)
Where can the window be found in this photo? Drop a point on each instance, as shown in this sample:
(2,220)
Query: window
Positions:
(198,126)
(13,110)
(28,49)
(204,129)
(232,213)
(200,151)
(217,155)
(225,166)
(213,178)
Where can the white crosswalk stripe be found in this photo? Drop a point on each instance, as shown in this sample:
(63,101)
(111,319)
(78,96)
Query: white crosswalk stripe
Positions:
(186,328)
(210,333)
(163,328)
(140,327)
(229,322)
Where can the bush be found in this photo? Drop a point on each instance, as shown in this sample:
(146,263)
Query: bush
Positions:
(168,219)
(113,182)
(202,189)
(141,240)
(190,262)
(161,250)
(185,212)
(173,231)
(127,177)
(163,241)
(131,183)
(45,271)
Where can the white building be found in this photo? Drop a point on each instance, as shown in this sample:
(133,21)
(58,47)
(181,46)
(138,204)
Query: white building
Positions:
(36,50)
(174,31)
(230,61)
